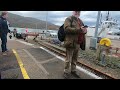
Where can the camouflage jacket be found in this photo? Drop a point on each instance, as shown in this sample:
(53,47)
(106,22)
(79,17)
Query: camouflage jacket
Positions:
(72,29)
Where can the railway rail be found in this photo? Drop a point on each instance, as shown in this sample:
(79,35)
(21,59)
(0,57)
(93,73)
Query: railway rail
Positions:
(61,52)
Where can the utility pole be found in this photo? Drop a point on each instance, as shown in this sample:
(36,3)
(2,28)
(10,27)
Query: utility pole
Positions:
(36,27)
(107,17)
(97,24)
(46,20)
(93,40)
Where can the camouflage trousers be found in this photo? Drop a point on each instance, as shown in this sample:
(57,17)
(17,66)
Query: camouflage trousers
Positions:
(71,58)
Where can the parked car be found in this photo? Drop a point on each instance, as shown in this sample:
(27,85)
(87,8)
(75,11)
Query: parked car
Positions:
(51,33)
(21,34)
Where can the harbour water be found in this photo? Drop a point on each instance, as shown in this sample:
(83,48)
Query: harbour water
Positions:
(23,30)
(90,31)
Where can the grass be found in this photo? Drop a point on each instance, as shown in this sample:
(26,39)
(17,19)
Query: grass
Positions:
(112,62)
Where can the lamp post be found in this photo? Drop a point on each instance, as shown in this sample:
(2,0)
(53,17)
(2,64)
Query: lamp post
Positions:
(36,27)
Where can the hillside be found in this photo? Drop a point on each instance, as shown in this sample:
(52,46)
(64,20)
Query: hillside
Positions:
(28,22)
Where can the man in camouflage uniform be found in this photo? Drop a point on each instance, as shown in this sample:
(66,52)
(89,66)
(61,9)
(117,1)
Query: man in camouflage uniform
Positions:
(75,35)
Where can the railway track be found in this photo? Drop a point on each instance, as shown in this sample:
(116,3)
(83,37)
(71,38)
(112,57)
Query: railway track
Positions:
(61,52)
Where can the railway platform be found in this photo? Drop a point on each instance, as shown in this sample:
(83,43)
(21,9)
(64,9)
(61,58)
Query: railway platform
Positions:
(42,60)
(29,61)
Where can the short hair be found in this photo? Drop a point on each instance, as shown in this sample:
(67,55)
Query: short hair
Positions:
(4,13)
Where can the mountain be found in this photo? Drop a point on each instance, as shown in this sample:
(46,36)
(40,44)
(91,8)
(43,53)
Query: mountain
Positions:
(28,22)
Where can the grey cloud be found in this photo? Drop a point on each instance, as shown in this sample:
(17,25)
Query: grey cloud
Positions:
(58,17)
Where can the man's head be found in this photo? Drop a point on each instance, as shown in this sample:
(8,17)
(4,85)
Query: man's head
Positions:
(76,14)
(4,14)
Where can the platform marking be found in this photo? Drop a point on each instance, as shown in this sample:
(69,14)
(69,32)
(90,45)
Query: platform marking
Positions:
(78,67)
(24,72)
(38,64)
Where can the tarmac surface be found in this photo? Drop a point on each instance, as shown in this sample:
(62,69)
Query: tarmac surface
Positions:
(28,61)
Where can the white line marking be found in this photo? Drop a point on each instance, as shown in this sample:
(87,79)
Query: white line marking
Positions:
(46,61)
(78,67)
(25,43)
(39,65)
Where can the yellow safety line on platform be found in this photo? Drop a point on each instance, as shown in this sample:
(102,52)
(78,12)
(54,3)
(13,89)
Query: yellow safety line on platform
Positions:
(24,73)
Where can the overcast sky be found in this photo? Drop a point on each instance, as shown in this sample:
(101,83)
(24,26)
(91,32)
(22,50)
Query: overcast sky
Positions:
(58,17)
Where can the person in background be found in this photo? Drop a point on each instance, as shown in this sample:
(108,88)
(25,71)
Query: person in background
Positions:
(10,36)
(4,31)
(75,35)
(14,32)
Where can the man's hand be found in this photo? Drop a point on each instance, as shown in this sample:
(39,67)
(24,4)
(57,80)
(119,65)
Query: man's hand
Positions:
(79,29)
(9,30)
(84,30)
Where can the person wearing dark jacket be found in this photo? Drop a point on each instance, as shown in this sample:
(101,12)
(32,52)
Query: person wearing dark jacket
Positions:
(3,32)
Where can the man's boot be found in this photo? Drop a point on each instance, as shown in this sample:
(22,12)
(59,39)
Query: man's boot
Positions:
(66,75)
(75,74)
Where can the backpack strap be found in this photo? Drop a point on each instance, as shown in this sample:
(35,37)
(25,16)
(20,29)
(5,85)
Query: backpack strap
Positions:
(71,20)
(81,22)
